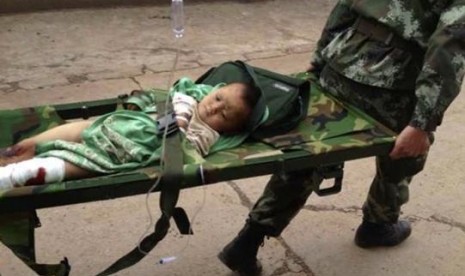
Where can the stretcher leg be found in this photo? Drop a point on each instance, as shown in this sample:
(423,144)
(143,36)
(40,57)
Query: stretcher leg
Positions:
(17,233)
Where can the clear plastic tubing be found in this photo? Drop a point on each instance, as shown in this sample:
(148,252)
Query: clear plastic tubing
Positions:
(177,18)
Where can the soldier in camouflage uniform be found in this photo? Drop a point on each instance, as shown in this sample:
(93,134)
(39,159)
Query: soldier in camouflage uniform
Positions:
(402,62)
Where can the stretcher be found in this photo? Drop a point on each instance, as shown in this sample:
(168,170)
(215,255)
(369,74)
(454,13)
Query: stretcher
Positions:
(332,134)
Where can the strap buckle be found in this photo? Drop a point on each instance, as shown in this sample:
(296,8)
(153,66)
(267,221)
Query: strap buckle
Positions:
(166,123)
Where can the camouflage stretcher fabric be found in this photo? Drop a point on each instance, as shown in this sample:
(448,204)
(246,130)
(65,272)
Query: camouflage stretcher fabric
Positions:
(332,133)
(331,130)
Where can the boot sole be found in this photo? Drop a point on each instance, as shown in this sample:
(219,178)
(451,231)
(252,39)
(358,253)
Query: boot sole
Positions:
(389,243)
(221,256)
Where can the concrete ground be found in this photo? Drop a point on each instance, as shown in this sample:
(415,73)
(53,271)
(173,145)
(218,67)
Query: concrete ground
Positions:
(73,55)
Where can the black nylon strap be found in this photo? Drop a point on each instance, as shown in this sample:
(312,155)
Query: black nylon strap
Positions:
(61,269)
(170,186)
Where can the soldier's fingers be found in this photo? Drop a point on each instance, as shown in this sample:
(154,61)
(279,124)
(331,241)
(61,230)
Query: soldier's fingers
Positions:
(396,152)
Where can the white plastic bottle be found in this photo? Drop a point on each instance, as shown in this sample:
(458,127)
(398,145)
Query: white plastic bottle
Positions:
(177,18)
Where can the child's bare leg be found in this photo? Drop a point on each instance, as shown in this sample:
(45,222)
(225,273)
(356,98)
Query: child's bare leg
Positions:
(74,172)
(26,148)
(35,171)
(38,171)
(68,132)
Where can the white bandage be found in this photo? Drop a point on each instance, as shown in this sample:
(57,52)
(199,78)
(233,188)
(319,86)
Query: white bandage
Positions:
(35,171)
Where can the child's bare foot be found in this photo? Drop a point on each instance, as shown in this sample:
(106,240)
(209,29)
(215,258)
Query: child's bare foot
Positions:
(24,150)
(6,155)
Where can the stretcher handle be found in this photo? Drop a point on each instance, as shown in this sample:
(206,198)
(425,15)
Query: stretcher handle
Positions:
(329,172)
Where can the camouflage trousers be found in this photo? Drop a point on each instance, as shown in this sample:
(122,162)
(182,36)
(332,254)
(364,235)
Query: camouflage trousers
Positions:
(287,192)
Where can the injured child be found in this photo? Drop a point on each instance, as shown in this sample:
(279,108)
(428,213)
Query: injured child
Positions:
(211,118)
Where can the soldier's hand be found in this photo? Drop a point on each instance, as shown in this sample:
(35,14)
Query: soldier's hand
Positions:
(411,142)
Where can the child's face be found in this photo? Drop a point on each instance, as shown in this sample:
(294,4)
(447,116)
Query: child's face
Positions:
(225,110)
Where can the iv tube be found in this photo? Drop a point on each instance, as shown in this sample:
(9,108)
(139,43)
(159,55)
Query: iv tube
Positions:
(177,25)
(177,18)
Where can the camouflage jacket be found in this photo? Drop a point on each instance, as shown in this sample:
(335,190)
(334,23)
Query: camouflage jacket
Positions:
(433,70)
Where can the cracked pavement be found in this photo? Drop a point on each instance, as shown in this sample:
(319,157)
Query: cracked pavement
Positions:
(86,54)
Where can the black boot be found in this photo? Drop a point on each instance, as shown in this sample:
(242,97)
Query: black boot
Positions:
(240,255)
(372,234)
